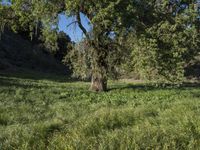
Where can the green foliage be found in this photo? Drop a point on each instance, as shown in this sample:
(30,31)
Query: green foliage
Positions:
(46,112)
(166,47)
(82,59)
(79,59)
(28,16)
(160,38)
(110,22)
(6,13)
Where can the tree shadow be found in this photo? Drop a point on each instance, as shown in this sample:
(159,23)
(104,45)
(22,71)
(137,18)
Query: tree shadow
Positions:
(142,87)
(27,81)
(151,87)
(13,79)
(6,82)
(39,76)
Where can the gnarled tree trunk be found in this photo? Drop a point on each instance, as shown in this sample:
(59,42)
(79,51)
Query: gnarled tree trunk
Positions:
(99,69)
(98,84)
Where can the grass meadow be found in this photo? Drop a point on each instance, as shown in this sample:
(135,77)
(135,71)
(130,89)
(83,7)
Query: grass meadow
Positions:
(54,113)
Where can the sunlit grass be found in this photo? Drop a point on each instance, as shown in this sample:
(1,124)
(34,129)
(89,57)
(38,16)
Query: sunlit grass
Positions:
(51,113)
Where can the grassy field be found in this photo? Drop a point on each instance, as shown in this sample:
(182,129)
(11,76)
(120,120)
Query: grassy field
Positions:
(41,113)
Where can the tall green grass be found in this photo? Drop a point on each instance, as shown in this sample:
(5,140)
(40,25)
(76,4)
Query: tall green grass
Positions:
(42,113)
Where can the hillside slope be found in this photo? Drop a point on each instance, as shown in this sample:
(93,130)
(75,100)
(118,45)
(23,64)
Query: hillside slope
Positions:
(17,54)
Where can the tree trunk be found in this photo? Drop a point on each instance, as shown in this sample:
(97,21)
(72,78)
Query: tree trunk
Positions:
(98,84)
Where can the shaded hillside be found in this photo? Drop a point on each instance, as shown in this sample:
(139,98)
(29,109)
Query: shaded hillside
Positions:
(17,53)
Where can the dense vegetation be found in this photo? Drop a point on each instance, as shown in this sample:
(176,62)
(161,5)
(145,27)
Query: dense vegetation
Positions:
(157,39)
(154,40)
(41,112)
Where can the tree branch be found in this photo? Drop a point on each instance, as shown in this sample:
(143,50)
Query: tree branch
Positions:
(78,18)
(72,23)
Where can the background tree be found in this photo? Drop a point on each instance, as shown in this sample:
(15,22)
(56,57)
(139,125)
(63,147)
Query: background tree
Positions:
(33,20)
(169,42)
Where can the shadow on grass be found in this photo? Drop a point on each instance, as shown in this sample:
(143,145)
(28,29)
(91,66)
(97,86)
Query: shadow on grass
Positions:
(9,79)
(27,81)
(149,87)
(38,76)
(5,82)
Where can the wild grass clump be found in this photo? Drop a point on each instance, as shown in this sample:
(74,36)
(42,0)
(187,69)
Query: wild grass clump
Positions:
(45,114)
